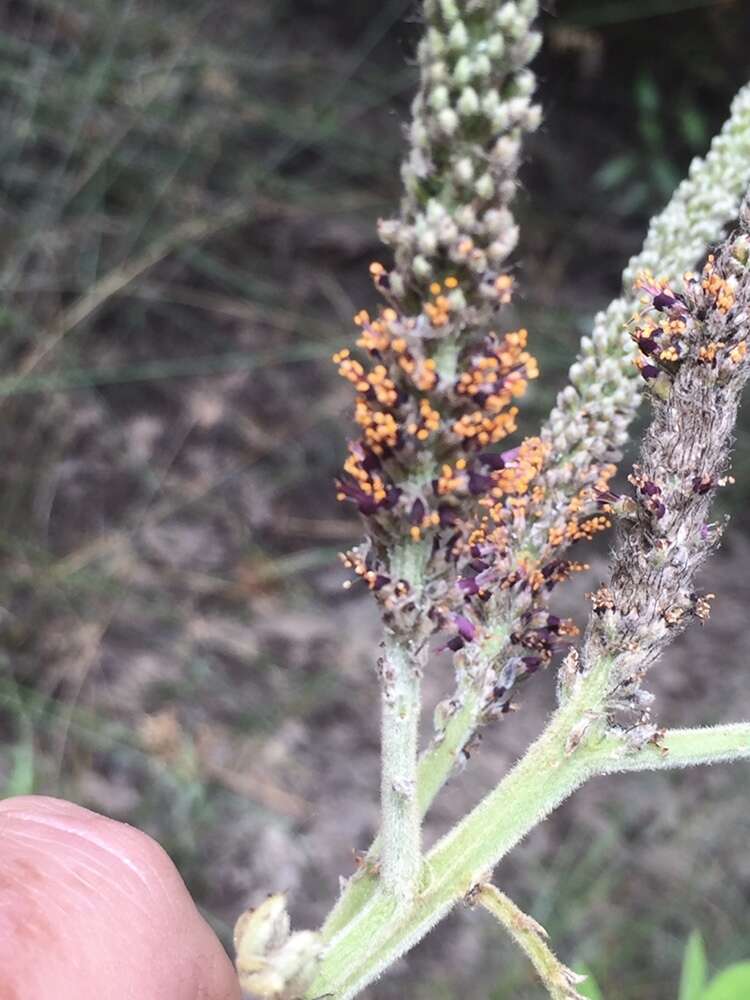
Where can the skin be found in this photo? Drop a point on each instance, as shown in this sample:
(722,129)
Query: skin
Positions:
(92,909)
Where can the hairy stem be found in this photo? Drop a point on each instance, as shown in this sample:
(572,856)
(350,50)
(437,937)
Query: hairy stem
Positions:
(400,837)
(543,778)
(531,937)
(686,748)
(436,764)
(558,763)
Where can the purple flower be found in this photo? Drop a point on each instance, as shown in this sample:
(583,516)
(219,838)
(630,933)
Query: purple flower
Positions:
(492,459)
(647,345)
(478,484)
(447,515)
(466,629)
(667,301)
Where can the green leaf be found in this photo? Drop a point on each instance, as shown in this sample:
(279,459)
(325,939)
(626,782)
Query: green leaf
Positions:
(647,95)
(693,127)
(21,779)
(615,172)
(731,984)
(589,988)
(694,973)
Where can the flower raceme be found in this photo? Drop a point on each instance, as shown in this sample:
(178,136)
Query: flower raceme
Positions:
(663,330)
(413,416)
(428,471)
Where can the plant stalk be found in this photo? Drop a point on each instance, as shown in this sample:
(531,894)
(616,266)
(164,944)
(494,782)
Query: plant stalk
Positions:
(401,819)
(550,771)
(435,766)
(559,981)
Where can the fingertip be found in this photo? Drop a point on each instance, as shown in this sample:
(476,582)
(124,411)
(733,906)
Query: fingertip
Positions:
(89,893)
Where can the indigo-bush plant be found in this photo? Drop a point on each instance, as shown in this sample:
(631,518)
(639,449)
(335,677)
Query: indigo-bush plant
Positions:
(468,532)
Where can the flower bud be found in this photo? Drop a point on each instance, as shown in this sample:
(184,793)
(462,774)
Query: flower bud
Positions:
(462,71)
(463,170)
(458,36)
(485,187)
(482,65)
(435,41)
(439,98)
(448,121)
(427,242)
(263,929)
(468,102)
(495,45)
(421,266)
(449,10)
(506,150)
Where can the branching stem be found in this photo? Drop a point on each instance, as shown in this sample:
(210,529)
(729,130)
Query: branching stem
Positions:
(550,771)
(559,981)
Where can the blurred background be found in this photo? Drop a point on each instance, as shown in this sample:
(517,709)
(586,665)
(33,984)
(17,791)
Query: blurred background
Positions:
(189,198)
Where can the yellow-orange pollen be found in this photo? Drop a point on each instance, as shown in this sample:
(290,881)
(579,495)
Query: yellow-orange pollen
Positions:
(739,352)
(369,482)
(716,286)
(430,520)
(516,478)
(429,421)
(438,310)
(497,376)
(569,527)
(451,479)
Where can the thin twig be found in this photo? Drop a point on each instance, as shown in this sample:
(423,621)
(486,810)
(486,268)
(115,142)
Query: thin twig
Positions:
(559,981)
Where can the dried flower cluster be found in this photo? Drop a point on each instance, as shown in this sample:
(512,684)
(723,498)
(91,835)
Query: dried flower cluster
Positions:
(694,359)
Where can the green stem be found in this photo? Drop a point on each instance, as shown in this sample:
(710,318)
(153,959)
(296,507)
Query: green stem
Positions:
(553,767)
(377,936)
(531,937)
(436,764)
(401,820)
(681,748)
(439,759)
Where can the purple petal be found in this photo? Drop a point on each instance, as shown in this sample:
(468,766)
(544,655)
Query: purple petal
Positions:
(466,629)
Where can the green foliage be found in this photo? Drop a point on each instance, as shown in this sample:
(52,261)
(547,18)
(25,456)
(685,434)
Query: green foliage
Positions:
(21,778)
(649,172)
(694,969)
(732,983)
(589,988)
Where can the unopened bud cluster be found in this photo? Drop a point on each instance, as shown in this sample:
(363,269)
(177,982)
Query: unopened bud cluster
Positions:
(272,963)
(472,108)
